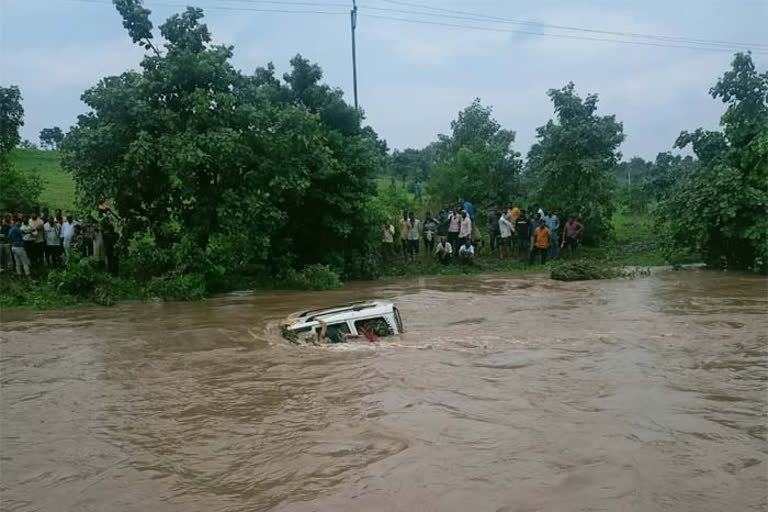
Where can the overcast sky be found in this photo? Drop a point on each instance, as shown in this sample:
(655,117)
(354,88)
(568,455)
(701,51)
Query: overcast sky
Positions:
(414,78)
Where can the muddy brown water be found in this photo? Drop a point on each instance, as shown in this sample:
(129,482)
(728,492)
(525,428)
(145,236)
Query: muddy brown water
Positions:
(505,394)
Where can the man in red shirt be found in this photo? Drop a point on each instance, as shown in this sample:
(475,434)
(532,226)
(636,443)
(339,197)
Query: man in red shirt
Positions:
(573,229)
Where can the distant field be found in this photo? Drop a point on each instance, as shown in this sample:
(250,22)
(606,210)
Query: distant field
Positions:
(58,186)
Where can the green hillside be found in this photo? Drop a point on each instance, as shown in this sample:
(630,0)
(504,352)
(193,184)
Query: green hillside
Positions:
(58,186)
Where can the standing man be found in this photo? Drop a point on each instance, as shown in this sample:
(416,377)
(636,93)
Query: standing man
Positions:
(573,229)
(541,242)
(454,226)
(417,190)
(414,236)
(388,241)
(5,246)
(20,256)
(404,227)
(523,228)
(470,209)
(507,231)
(494,230)
(110,237)
(430,232)
(52,243)
(38,253)
(553,223)
(465,228)
(28,235)
(67,234)
(514,214)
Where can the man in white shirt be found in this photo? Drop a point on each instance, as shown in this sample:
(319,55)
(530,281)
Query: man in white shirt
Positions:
(443,251)
(506,230)
(52,243)
(388,241)
(467,252)
(414,236)
(465,231)
(67,233)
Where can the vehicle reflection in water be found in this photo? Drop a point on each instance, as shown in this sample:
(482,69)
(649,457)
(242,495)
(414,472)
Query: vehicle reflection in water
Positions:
(504,394)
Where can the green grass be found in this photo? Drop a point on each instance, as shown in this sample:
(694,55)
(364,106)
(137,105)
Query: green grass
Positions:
(58,186)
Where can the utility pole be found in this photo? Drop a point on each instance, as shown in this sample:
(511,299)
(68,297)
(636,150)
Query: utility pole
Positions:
(353,20)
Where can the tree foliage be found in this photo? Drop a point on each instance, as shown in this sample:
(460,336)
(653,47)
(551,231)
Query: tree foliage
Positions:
(720,209)
(11,117)
(571,165)
(18,191)
(476,162)
(643,183)
(51,137)
(247,171)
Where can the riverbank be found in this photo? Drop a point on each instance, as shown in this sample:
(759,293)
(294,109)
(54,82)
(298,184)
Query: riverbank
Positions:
(83,283)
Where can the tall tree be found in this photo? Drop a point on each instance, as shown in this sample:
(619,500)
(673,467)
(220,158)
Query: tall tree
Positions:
(720,209)
(571,165)
(476,162)
(262,173)
(11,117)
(18,191)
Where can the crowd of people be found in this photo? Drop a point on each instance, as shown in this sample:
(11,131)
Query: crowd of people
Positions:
(37,241)
(533,234)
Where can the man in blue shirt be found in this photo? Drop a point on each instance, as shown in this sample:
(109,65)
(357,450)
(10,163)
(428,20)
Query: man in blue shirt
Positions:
(553,223)
(470,209)
(16,240)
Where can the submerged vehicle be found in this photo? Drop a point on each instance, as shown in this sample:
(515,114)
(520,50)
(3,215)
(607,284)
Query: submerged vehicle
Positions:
(355,319)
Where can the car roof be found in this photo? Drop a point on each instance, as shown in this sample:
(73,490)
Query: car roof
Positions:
(341,313)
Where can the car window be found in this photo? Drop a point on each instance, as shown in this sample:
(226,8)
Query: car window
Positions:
(379,325)
(337,331)
(340,326)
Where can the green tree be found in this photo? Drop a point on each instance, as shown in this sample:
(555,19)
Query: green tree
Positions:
(476,162)
(11,117)
(51,137)
(258,173)
(408,164)
(719,209)
(571,165)
(18,191)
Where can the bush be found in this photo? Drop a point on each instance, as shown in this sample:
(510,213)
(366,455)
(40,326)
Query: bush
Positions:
(583,270)
(313,277)
(176,286)
(80,277)
(145,258)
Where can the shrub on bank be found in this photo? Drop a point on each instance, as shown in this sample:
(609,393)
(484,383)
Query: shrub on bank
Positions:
(313,277)
(176,286)
(584,270)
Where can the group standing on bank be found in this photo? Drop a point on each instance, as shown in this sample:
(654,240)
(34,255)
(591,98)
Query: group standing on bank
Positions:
(37,241)
(533,234)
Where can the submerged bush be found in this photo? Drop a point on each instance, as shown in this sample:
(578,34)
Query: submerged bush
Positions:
(176,286)
(313,277)
(583,270)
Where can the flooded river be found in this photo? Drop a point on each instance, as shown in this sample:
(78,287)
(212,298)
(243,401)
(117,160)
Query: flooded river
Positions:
(505,394)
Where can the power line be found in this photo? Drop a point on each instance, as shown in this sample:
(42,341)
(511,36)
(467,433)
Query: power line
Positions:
(224,8)
(479,17)
(692,45)
(499,19)
(561,36)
